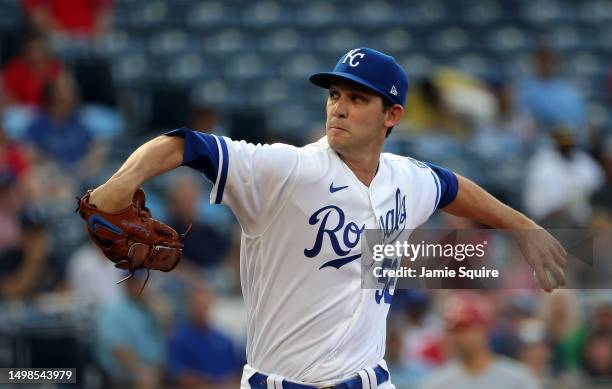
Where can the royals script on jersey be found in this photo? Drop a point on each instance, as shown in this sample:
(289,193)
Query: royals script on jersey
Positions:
(302,213)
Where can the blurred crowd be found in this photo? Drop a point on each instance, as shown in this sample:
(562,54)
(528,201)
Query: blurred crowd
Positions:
(529,141)
(509,338)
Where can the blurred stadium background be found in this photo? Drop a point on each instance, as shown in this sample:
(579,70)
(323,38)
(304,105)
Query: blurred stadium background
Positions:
(514,94)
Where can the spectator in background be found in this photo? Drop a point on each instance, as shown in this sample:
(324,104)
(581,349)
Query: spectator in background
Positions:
(13,161)
(513,309)
(200,355)
(602,198)
(203,246)
(25,76)
(601,316)
(597,356)
(22,264)
(582,350)
(509,118)
(428,111)
(74,18)
(551,99)
(467,318)
(129,341)
(560,181)
(403,375)
(534,350)
(92,277)
(421,335)
(13,169)
(449,102)
(600,226)
(560,313)
(58,133)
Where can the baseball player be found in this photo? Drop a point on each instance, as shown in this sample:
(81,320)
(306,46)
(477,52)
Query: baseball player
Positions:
(303,212)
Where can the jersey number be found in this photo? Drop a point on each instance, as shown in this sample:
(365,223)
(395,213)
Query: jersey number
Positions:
(385,293)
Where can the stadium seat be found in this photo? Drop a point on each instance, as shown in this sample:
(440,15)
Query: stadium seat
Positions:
(598,114)
(604,40)
(482,12)
(119,42)
(301,66)
(230,40)
(417,65)
(424,13)
(338,40)
(149,15)
(130,68)
(203,15)
(69,49)
(541,11)
(170,42)
(11,15)
(396,40)
(451,39)
(319,13)
(564,38)
(374,14)
(509,39)
(586,64)
(518,65)
(189,68)
(216,92)
(272,92)
(598,11)
(282,41)
(245,67)
(474,64)
(291,118)
(264,13)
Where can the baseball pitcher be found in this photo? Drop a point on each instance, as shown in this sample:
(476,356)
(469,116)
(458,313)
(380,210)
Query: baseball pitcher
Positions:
(303,212)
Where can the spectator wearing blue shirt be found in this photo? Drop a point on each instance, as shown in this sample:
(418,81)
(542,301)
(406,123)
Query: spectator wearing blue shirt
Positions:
(551,99)
(129,341)
(204,246)
(200,355)
(57,132)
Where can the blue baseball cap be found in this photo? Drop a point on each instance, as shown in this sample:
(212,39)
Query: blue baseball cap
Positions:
(372,69)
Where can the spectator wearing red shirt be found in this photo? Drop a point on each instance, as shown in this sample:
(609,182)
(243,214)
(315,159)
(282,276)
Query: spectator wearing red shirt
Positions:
(77,18)
(25,75)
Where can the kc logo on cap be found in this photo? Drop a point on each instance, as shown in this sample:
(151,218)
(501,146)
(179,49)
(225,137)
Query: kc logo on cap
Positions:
(368,67)
(353,54)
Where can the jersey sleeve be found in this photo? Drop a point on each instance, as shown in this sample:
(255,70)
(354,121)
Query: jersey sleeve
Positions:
(435,187)
(446,183)
(253,180)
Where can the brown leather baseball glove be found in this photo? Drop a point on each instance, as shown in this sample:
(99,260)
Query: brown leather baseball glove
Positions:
(131,238)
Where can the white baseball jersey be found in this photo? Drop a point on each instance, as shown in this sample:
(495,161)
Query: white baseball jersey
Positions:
(302,213)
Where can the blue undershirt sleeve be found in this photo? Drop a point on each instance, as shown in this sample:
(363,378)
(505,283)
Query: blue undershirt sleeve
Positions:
(449,185)
(201,151)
